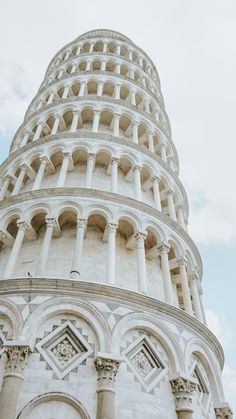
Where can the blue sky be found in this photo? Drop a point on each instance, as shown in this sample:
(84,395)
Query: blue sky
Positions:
(193,44)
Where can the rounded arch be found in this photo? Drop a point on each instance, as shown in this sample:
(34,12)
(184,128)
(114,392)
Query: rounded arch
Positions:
(202,352)
(52,397)
(71,306)
(157,329)
(10,310)
(98,209)
(68,206)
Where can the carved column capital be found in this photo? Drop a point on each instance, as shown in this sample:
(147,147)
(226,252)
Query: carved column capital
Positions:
(107,369)
(182,389)
(223,413)
(164,247)
(17,356)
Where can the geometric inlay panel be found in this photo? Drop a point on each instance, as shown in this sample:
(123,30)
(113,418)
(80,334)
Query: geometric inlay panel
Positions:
(64,349)
(202,393)
(142,357)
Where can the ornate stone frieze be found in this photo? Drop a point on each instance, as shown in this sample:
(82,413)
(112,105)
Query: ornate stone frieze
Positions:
(223,413)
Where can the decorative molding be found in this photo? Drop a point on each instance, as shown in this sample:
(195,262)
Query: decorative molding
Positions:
(107,369)
(63,286)
(182,389)
(17,357)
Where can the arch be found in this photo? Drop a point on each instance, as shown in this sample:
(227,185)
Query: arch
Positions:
(100,210)
(73,306)
(202,352)
(11,311)
(56,396)
(157,329)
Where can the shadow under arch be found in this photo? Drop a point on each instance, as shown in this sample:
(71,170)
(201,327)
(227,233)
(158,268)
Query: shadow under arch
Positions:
(73,306)
(57,396)
(156,328)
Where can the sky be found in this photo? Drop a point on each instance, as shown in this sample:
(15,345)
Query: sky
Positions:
(193,45)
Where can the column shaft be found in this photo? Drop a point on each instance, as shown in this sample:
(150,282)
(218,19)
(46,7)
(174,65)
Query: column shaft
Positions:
(78,248)
(64,168)
(156,193)
(43,256)
(96,118)
(19,181)
(141,262)
(171,205)
(40,174)
(56,125)
(89,172)
(185,288)
(116,122)
(195,296)
(15,249)
(111,256)
(137,183)
(5,185)
(114,173)
(167,281)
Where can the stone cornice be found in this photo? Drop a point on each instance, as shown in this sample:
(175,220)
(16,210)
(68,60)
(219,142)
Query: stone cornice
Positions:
(65,287)
(103,73)
(90,135)
(111,197)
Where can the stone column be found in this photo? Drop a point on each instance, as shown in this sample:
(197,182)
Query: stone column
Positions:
(96,118)
(137,182)
(64,168)
(182,389)
(165,267)
(223,412)
(40,174)
(107,370)
(15,249)
(25,138)
(89,172)
(78,248)
(17,356)
(116,125)
(51,97)
(6,183)
(105,47)
(43,256)
(180,213)
(66,91)
(185,287)
(150,142)
(111,255)
(117,91)
(163,153)
(75,120)
(20,179)
(193,280)
(38,131)
(146,106)
(56,124)
(171,205)
(114,173)
(133,97)
(135,132)
(100,88)
(141,262)
(156,192)
(82,88)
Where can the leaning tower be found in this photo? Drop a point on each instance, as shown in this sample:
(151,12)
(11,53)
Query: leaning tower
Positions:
(101,312)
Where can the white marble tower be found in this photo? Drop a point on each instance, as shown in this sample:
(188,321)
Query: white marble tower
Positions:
(101,314)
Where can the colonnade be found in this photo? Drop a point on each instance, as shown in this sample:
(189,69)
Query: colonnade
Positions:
(189,286)
(175,209)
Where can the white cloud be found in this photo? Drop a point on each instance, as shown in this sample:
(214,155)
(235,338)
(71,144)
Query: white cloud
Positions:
(219,326)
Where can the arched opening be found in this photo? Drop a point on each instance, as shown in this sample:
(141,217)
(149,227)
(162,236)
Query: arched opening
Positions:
(101,178)
(105,123)
(108,89)
(126,260)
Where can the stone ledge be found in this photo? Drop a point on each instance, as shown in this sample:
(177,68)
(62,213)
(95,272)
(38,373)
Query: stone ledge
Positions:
(69,287)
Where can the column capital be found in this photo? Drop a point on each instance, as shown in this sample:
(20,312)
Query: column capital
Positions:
(193,276)
(24,166)
(51,222)
(21,224)
(44,159)
(141,235)
(97,111)
(91,156)
(182,389)
(137,167)
(81,222)
(112,227)
(76,111)
(223,412)
(66,154)
(181,261)
(135,123)
(107,369)
(9,176)
(17,356)
(170,191)
(164,247)
(156,178)
(180,205)
(115,159)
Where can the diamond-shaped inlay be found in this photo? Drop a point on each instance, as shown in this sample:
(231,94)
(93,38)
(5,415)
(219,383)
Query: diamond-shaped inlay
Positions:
(143,359)
(64,349)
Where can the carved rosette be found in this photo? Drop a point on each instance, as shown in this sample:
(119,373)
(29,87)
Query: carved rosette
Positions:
(182,390)
(224,413)
(107,370)
(17,357)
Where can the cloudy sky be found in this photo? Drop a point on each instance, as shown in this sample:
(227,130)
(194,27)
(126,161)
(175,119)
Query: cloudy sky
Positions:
(193,44)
